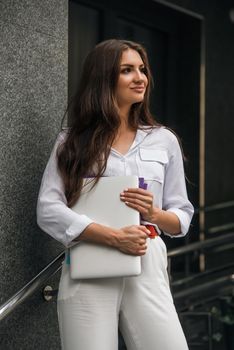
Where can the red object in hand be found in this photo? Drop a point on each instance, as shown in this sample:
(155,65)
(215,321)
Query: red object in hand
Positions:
(153,231)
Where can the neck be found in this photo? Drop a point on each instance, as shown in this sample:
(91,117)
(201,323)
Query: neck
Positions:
(123,126)
(124,114)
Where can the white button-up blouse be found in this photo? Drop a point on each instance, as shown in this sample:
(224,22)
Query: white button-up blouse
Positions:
(154,155)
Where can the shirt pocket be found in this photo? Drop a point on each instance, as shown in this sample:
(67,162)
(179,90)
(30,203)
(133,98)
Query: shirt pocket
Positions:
(152,164)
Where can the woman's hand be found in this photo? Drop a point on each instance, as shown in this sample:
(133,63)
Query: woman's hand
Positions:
(141,200)
(132,239)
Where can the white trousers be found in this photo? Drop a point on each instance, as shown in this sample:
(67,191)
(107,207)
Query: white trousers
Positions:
(90,311)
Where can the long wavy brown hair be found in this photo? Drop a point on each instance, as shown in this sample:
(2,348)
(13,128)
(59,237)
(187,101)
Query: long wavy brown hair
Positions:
(94,118)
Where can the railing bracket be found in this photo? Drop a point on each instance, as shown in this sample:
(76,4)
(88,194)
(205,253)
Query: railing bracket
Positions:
(48,293)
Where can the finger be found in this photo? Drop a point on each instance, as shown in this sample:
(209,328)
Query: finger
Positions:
(143,204)
(131,196)
(137,190)
(143,230)
(140,229)
(143,245)
(142,210)
(142,252)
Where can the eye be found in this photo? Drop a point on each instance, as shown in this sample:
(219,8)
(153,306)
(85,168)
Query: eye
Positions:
(126,70)
(143,70)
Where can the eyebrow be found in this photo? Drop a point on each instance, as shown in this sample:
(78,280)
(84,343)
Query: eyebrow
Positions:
(131,65)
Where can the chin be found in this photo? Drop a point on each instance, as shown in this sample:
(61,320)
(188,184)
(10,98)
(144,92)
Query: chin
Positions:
(139,100)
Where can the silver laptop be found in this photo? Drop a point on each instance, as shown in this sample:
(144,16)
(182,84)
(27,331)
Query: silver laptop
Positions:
(103,205)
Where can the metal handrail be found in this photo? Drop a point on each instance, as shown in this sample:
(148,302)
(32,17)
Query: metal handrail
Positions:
(201,275)
(197,295)
(209,243)
(197,290)
(53,267)
(214,207)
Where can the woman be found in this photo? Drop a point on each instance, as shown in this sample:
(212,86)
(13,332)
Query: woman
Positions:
(113,133)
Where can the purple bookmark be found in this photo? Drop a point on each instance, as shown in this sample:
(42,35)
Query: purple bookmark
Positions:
(142,183)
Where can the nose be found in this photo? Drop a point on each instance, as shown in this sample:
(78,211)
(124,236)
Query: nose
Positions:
(139,76)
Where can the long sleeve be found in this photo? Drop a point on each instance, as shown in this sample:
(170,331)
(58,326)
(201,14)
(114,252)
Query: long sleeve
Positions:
(175,194)
(53,215)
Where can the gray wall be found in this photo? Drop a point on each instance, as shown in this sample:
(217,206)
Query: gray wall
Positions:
(33,75)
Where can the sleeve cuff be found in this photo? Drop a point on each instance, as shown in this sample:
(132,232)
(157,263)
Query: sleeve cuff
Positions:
(76,228)
(184,219)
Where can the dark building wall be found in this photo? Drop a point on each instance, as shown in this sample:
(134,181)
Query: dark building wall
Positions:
(33,75)
(219,33)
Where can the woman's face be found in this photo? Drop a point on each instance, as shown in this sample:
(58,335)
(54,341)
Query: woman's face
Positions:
(132,80)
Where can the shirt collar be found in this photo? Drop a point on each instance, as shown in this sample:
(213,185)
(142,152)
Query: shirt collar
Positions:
(140,136)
